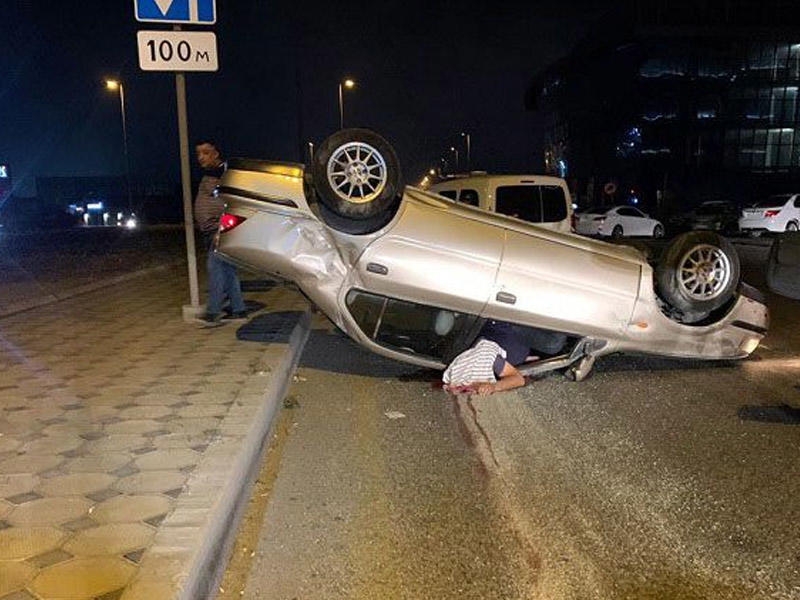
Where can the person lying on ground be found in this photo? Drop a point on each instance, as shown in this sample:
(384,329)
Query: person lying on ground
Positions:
(489,366)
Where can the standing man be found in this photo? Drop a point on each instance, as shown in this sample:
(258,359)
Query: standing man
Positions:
(223,282)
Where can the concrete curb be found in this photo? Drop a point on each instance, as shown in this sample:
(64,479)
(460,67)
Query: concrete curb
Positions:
(32,303)
(211,558)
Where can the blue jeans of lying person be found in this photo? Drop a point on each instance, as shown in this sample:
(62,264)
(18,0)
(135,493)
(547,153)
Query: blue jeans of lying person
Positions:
(223,283)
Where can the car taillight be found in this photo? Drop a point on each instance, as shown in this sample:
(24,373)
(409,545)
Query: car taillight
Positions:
(768,214)
(228,221)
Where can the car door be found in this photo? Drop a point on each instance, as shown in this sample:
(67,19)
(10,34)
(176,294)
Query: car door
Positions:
(629,220)
(437,254)
(564,283)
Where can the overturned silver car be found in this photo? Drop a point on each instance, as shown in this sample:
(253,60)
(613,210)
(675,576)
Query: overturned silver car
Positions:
(413,275)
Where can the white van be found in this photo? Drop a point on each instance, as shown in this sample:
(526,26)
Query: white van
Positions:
(538,199)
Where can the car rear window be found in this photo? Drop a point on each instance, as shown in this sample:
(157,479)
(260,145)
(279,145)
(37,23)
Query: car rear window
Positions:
(448,194)
(772,201)
(712,209)
(534,203)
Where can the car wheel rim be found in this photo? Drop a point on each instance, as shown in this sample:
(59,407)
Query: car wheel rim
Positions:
(704,272)
(357,172)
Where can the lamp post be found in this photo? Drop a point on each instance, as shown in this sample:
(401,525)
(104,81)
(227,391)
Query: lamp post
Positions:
(349,84)
(467,139)
(453,150)
(116,85)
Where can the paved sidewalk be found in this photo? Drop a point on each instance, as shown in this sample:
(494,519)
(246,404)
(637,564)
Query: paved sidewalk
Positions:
(126,436)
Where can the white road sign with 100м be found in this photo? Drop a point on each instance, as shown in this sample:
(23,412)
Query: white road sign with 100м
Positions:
(177,50)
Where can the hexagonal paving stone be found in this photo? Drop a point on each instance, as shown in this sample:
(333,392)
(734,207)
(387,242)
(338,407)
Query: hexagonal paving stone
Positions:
(181,440)
(174,458)
(116,443)
(49,511)
(151,481)
(77,484)
(13,575)
(20,483)
(194,426)
(116,538)
(83,578)
(134,426)
(42,413)
(129,509)
(144,412)
(52,445)
(29,464)
(203,410)
(9,443)
(104,463)
(19,543)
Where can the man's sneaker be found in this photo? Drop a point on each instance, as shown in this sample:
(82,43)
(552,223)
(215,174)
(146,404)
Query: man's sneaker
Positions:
(209,320)
(236,316)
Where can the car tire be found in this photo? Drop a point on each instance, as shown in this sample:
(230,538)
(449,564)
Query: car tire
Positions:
(791,226)
(356,176)
(698,273)
(658,232)
(617,232)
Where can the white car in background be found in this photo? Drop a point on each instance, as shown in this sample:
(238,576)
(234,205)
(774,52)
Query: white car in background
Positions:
(776,214)
(617,222)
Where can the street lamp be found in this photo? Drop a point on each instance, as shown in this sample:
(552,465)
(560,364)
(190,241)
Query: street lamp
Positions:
(467,139)
(452,149)
(349,84)
(114,85)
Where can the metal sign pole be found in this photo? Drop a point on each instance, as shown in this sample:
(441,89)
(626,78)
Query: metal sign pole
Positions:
(186,185)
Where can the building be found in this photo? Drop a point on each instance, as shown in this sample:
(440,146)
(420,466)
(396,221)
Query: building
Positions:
(675,103)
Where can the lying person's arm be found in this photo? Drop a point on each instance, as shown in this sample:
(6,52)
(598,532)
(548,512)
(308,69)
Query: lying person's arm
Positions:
(509,379)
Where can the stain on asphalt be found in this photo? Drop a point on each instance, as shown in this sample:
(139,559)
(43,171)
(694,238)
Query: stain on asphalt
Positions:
(782,413)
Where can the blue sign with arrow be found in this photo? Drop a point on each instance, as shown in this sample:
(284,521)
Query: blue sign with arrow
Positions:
(190,12)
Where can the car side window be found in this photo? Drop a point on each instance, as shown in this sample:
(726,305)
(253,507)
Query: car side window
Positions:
(797,201)
(554,203)
(410,327)
(448,194)
(470,197)
(520,201)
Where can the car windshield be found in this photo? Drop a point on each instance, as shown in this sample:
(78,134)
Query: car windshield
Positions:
(772,201)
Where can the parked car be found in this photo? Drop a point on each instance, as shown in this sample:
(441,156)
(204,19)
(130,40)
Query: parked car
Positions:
(776,214)
(538,199)
(617,222)
(413,275)
(716,215)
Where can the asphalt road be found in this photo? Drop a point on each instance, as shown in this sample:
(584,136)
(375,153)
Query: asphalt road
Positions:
(652,479)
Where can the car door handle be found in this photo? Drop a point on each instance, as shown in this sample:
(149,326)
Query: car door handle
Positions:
(377,269)
(506,298)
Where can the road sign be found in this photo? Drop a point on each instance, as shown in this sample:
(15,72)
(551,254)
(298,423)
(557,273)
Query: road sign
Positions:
(197,12)
(177,50)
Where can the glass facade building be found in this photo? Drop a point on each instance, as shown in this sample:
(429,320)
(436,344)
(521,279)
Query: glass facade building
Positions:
(678,106)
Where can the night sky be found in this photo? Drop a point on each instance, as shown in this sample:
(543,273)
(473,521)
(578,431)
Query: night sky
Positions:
(425,72)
